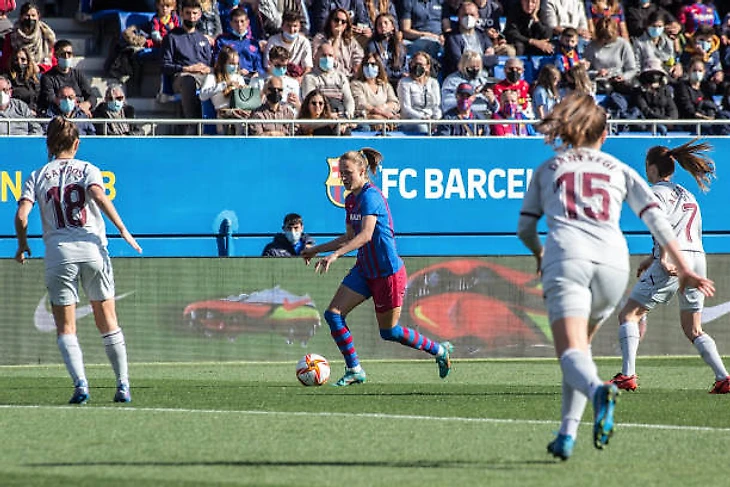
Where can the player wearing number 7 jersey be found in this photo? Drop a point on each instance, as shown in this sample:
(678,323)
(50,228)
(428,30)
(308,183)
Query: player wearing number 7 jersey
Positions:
(658,277)
(585,261)
(71,197)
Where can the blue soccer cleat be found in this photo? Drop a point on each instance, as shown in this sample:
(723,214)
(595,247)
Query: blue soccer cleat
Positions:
(444,360)
(561,447)
(81,393)
(604,403)
(123,394)
(351,377)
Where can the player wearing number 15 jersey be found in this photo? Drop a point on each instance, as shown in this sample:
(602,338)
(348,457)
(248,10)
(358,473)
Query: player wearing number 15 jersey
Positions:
(584,264)
(657,274)
(71,197)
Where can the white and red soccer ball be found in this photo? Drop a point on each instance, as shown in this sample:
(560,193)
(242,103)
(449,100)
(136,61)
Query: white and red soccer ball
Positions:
(313,370)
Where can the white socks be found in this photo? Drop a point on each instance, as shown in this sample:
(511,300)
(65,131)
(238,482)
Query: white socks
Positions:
(628,336)
(116,350)
(579,371)
(573,405)
(72,357)
(708,351)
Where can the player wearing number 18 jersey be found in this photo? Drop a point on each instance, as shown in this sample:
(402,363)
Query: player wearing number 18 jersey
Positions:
(584,263)
(71,197)
(657,274)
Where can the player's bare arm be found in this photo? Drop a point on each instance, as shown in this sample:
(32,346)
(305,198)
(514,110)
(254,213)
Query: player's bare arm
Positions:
(21,230)
(365,235)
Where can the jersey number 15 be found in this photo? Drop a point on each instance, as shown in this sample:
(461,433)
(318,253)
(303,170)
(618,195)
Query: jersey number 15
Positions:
(572,182)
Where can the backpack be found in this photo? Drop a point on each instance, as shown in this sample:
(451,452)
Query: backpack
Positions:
(7,6)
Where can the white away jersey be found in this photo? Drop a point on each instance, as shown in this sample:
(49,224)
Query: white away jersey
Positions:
(581,192)
(73,227)
(683,213)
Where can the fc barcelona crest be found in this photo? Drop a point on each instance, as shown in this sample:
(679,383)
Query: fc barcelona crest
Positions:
(336,191)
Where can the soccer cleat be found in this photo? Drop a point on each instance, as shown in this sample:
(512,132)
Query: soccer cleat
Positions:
(561,447)
(123,394)
(721,386)
(351,377)
(604,402)
(81,393)
(625,382)
(444,360)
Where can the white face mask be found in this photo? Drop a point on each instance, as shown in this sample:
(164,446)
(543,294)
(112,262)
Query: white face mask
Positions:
(468,22)
(4,98)
(293,236)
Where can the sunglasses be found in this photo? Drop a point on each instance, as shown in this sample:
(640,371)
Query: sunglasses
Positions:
(119,98)
(276,90)
(317,103)
(339,21)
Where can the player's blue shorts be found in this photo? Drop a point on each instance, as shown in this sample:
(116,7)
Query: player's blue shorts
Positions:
(387,292)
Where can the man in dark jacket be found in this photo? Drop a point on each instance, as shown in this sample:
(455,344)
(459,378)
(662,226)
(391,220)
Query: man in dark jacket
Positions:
(292,241)
(64,74)
(525,30)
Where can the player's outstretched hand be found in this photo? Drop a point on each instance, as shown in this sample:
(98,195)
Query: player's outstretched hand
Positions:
(21,253)
(131,241)
(704,285)
(323,265)
(308,254)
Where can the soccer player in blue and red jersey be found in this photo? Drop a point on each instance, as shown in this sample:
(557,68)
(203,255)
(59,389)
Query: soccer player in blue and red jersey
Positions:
(378,272)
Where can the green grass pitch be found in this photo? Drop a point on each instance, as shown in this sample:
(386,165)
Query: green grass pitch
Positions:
(253,424)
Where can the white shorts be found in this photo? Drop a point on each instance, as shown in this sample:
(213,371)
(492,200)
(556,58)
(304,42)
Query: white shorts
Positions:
(656,286)
(96,277)
(581,288)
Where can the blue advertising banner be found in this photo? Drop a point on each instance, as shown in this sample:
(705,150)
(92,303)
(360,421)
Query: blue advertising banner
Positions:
(447,196)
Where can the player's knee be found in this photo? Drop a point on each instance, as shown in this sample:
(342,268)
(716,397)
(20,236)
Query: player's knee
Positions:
(334,320)
(391,334)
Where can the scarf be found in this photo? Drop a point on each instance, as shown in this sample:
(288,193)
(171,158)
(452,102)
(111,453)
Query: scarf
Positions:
(117,128)
(39,42)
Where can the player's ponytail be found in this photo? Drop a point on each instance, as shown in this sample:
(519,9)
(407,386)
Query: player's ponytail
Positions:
(366,156)
(61,136)
(691,156)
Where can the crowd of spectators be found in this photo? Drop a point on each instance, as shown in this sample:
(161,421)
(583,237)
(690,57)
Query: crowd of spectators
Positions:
(391,61)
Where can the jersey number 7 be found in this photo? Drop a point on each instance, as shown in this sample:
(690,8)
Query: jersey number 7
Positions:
(568,182)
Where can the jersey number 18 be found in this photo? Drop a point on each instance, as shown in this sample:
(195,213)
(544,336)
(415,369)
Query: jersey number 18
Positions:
(73,211)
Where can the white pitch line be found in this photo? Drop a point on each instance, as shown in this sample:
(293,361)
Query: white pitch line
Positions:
(359,415)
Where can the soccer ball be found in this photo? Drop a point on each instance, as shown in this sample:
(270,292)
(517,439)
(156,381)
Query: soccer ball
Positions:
(313,370)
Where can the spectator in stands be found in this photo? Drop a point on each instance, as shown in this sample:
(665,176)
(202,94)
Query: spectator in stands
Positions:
(419,94)
(187,57)
(558,15)
(655,44)
(471,72)
(10,108)
(210,21)
(338,32)
(514,69)
(164,20)
(240,39)
(25,78)
(298,45)
(612,9)
(331,82)
(611,58)
(694,98)
(5,24)
(225,11)
(696,14)
(270,14)
(466,37)
(375,98)
(490,11)
(567,54)
(387,42)
(65,105)
(291,241)
(638,13)
(465,96)
(279,66)
(577,80)
(705,44)
(115,108)
(316,107)
(273,109)
(30,32)
(375,9)
(320,11)
(64,74)
(420,23)
(653,97)
(546,93)
(219,85)
(509,110)
(526,32)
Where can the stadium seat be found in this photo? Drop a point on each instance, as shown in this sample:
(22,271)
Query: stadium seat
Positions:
(209,113)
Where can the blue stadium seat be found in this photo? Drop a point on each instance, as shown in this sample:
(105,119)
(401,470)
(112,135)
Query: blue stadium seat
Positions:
(209,113)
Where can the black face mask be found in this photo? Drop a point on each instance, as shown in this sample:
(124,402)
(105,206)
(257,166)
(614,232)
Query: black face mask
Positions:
(189,24)
(20,68)
(513,76)
(472,73)
(29,24)
(274,97)
(418,71)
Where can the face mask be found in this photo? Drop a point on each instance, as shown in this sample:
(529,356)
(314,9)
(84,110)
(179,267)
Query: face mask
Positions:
(274,97)
(513,76)
(418,71)
(293,236)
(66,105)
(65,62)
(289,37)
(704,45)
(242,35)
(231,68)
(279,71)
(189,24)
(463,104)
(29,24)
(115,105)
(645,2)
(20,68)
(235,3)
(4,98)
(370,72)
(696,76)
(468,22)
(655,32)
(472,73)
(326,63)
